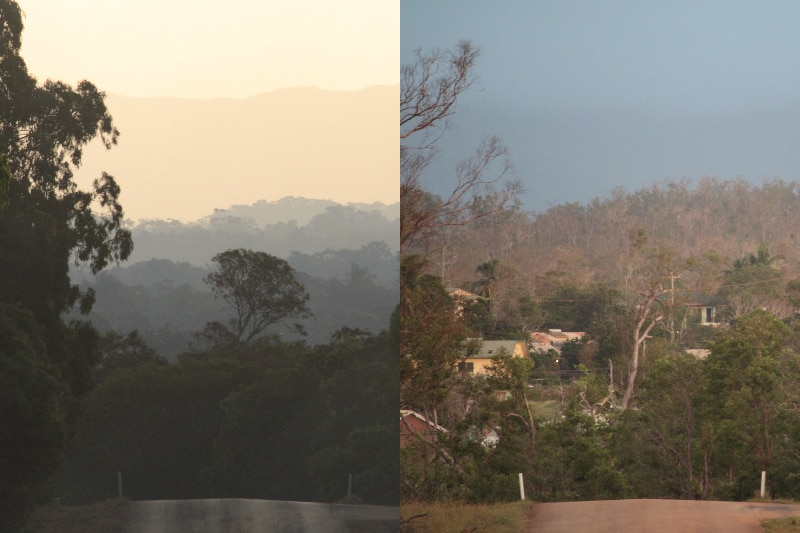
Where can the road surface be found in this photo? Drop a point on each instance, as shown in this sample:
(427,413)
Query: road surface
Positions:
(655,516)
(262,516)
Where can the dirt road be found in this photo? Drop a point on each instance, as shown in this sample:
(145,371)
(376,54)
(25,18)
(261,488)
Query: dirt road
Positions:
(262,516)
(655,516)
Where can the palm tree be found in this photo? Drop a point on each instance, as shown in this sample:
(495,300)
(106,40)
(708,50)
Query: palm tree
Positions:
(763,257)
(487,285)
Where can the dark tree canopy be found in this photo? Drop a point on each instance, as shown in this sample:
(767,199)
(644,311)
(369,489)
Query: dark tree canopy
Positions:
(46,221)
(31,429)
(261,289)
(49,220)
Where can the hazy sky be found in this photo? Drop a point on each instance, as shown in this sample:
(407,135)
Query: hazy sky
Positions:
(624,92)
(202,49)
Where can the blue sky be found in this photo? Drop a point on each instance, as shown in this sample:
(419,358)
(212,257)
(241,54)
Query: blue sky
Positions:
(594,95)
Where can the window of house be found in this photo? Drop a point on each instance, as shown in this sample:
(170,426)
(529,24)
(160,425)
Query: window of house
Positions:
(465,367)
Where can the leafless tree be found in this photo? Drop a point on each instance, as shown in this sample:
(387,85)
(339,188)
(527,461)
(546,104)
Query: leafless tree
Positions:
(647,315)
(430,88)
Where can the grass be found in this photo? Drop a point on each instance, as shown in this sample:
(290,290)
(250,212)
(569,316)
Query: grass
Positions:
(100,517)
(782,525)
(459,518)
(779,525)
(546,409)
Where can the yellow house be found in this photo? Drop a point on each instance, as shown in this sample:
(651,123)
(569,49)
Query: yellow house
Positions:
(477,364)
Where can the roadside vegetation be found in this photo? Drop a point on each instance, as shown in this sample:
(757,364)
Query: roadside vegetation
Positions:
(782,526)
(98,517)
(455,518)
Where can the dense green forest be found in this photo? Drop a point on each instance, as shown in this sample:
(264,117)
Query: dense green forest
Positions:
(626,411)
(243,414)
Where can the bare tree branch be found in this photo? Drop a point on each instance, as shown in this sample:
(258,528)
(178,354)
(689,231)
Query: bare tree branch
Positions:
(429,90)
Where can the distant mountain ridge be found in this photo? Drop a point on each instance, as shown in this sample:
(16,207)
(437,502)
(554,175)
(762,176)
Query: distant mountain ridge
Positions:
(180,158)
(301,210)
(279,228)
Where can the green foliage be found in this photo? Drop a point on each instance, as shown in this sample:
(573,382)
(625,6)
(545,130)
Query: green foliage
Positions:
(33,428)
(596,309)
(486,286)
(664,430)
(46,221)
(754,282)
(517,317)
(119,352)
(266,420)
(432,336)
(575,461)
(5,180)
(750,397)
(477,316)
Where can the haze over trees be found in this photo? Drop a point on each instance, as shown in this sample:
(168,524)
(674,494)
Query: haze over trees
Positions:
(265,417)
(281,228)
(262,290)
(167,302)
(626,411)
(345,256)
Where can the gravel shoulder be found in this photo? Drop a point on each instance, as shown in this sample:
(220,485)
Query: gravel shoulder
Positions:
(655,516)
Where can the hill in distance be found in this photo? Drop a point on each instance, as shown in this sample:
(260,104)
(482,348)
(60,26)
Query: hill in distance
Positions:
(279,228)
(181,158)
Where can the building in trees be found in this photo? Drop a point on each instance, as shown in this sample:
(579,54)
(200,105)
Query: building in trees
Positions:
(488,351)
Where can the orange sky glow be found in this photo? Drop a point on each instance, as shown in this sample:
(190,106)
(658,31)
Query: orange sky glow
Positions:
(200,50)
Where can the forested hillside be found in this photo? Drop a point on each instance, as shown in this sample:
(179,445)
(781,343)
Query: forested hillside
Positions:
(346,256)
(168,303)
(681,379)
(280,227)
(710,224)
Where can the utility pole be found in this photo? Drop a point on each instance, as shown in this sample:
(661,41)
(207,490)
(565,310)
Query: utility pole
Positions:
(672,279)
(443,250)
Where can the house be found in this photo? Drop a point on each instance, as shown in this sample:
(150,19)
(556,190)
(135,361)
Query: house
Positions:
(461,298)
(700,353)
(704,308)
(478,363)
(413,425)
(461,295)
(553,339)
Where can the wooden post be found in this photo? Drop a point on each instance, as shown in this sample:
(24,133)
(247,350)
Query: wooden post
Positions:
(349,486)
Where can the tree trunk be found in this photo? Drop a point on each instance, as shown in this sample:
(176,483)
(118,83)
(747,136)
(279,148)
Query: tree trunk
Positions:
(638,339)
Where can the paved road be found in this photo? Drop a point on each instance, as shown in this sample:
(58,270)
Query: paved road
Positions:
(655,516)
(262,516)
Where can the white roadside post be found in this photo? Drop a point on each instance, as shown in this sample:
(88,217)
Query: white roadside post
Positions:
(521,488)
(763,482)
(349,487)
